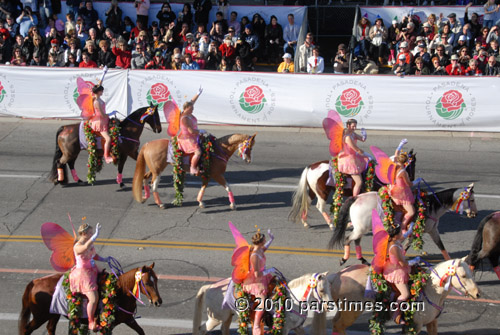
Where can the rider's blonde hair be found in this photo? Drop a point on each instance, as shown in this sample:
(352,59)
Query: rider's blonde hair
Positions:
(187,104)
(402,158)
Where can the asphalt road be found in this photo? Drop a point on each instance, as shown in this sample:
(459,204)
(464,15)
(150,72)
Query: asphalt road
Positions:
(192,246)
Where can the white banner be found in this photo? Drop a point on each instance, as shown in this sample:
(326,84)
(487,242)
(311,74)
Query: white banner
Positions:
(267,99)
(388,13)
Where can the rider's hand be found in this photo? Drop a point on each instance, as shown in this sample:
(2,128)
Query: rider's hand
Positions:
(271,235)
(200,90)
(202,131)
(363,133)
(414,261)
(402,143)
(96,234)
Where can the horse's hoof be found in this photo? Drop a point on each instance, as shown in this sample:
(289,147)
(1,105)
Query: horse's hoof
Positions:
(201,204)
(122,185)
(331,226)
(363,261)
(232,206)
(161,206)
(306,225)
(80,182)
(342,261)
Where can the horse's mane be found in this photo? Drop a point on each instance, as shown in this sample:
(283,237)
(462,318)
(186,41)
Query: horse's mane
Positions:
(134,116)
(300,281)
(445,199)
(127,279)
(231,139)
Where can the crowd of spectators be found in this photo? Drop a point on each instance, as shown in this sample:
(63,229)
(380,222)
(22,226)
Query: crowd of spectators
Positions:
(439,46)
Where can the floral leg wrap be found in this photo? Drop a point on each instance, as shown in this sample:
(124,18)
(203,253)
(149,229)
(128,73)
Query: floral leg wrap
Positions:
(60,174)
(119,178)
(75,176)
(359,254)
(231,196)
(147,192)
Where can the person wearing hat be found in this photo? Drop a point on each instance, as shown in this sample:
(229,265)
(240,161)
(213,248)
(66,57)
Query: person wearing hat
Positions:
(455,68)
(378,41)
(56,51)
(427,32)
(423,54)
(404,49)
(177,61)
(157,63)
(402,67)
(287,65)
(341,60)
(455,25)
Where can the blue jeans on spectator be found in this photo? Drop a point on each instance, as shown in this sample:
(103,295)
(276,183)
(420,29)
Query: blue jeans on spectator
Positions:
(488,23)
(286,46)
(45,13)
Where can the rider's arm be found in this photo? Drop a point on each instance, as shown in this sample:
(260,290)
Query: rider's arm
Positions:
(81,248)
(406,178)
(97,107)
(350,143)
(193,100)
(401,258)
(189,126)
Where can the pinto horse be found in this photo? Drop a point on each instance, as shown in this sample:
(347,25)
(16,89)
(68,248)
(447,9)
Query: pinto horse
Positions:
(359,209)
(313,185)
(38,296)
(487,243)
(154,155)
(68,143)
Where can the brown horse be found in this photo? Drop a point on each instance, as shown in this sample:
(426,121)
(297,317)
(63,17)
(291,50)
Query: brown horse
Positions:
(487,243)
(154,155)
(68,143)
(38,296)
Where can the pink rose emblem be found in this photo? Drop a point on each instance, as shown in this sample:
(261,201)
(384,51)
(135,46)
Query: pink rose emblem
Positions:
(350,98)
(452,100)
(253,95)
(160,93)
(1,87)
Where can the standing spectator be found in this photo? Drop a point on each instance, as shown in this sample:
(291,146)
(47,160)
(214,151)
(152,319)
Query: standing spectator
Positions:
(186,17)
(455,68)
(189,64)
(70,23)
(128,27)
(202,10)
(80,31)
(140,58)
(474,21)
(114,17)
(489,13)
(73,6)
(165,15)
(315,63)
(223,7)
(89,15)
(243,51)
(243,23)
(106,57)
(238,65)
(253,41)
(45,10)
(274,40)
(305,51)
(492,68)
(291,35)
(392,39)
(87,62)
(287,65)
(123,56)
(341,60)
(26,20)
(378,41)
(420,69)
(362,33)
(402,67)
(142,9)
(473,69)
(233,22)
(219,18)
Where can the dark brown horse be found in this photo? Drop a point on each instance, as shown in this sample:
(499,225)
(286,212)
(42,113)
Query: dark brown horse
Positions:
(487,243)
(68,143)
(38,296)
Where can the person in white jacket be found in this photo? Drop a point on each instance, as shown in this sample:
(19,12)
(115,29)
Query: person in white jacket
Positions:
(315,63)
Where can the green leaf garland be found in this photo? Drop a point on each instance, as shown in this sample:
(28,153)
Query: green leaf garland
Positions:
(243,316)
(340,180)
(178,173)
(74,309)
(370,175)
(418,230)
(108,299)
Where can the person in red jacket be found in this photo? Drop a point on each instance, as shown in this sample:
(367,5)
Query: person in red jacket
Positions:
(455,68)
(227,49)
(87,62)
(123,56)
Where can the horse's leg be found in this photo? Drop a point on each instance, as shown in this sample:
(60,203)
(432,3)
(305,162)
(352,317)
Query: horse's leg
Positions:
(346,320)
(355,235)
(34,325)
(199,198)
(135,326)
(493,257)
(156,195)
(147,189)
(359,252)
(226,326)
(222,181)
(432,327)
(320,205)
(76,179)
(121,164)
(51,326)
(437,240)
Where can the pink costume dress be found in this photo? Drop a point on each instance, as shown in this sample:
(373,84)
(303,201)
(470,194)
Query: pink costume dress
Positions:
(252,285)
(393,271)
(98,122)
(83,277)
(401,192)
(350,162)
(188,142)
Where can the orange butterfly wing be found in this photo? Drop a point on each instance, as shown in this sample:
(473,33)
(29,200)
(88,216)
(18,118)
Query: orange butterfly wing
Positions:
(334,130)
(84,100)
(380,241)
(385,169)
(60,242)
(241,256)
(173,117)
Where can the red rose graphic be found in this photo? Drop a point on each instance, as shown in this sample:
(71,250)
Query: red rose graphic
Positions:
(253,95)
(350,98)
(160,93)
(1,87)
(452,100)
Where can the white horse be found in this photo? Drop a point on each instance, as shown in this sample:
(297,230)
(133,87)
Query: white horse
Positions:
(213,294)
(360,208)
(349,285)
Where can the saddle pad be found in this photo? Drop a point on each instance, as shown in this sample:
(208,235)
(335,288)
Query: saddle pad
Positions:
(229,301)
(170,155)
(59,303)
(83,139)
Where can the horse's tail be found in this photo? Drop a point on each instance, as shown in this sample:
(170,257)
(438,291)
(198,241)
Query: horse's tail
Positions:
(198,307)
(24,317)
(474,258)
(57,155)
(339,232)
(140,169)
(300,200)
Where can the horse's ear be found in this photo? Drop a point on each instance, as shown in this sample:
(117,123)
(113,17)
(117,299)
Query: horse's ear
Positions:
(144,269)
(152,265)
(321,276)
(410,152)
(470,188)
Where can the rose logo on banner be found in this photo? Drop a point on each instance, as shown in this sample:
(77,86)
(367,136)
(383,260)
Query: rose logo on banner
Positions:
(450,105)
(252,100)
(349,103)
(75,92)
(7,94)
(2,92)
(158,94)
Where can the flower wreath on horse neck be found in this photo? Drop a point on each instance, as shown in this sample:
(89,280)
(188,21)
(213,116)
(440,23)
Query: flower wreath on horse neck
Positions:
(347,159)
(76,256)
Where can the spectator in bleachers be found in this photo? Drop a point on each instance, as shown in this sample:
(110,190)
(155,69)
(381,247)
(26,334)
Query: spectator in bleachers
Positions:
(443,39)
(141,39)
(100,29)
(233,22)
(223,7)
(51,24)
(186,46)
(155,43)
(186,17)
(213,57)
(177,62)
(409,35)
(482,58)
(455,68)
(224,65)
(378,41)
(165,15)
(123,56)
(423,54)
(475,26)
(180,37)
(453,23)
(420,69)
(492,68)
(315,63)
(274,40)
(114,17)
(253,40)
(431,19)
(53,35)
(204,44)
(200,30)
(19,43)
(37,46)
(243,51)
(341,60)
(442,57)
(36,61)
(45,10)
(142,10)
(93,37)
(5,49)
(216,33)
(259,27)
(157,63)
(11,25)
(291,35)
(71,62)
(305,51)
(219,18)
(140,57)
(231,33)
(473,69)
(106,57)
(74,48)
(109,35)
(56,51)
(362,34)
(287,65)
(80,31)
(402,67)
(427,33)
(462,42)
(202,10)
(52,62)
(17,58)
(89,15)
(243,23)
(73,6)
(465,37)
(227,50)
(87,62)
(92,51)
(197,55)
(128,27)
(483,37)
(26,20)
(392,41)
(490,9)
(405,50)
(238,65)
(6,8)
(493,34)
(464,57)
(70,23)
(493,50)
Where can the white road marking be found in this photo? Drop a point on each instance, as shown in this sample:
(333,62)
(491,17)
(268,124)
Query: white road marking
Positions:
(16,176)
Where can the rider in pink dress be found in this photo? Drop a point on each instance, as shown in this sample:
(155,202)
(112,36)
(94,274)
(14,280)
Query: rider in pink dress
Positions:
(99,121)
(351,159)
(83,277)
(189,133)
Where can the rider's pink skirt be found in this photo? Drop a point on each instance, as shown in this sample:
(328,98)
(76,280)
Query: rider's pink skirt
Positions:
(402,195)
(99,123)
(352,164)
(188,145)
(258,288)
(396,274)
(83,279)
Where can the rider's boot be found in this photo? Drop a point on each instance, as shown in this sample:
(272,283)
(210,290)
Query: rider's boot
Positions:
(194,170)
(258,329)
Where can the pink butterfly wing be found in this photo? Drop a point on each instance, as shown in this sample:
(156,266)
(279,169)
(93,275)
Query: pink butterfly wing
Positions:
(60,242)
(334,131)
(173,117)
(380,240)
(84,100)
(241,256)
(385,169)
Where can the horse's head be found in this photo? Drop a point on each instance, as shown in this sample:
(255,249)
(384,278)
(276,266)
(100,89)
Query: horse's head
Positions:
(323,290)
(411,168)
(245,148)
(463,279)
(150,285)
(464,199)
(153,119)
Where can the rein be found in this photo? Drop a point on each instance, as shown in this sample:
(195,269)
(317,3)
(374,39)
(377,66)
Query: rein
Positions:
(143,117)
(448,276)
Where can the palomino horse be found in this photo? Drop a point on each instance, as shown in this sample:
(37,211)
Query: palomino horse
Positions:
(313,185)
(154,155)
(213,294)
(349,285)
(38,296)
(360,207)
(68,143)
(487,243)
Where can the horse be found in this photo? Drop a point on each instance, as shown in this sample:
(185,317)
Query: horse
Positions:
(359,209)
(38,296)
(350,283)
(68,143)
(154,155)
(313,185)
(213,294)
(486,243)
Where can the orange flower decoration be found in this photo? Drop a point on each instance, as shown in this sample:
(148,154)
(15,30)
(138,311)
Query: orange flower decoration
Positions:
(105,300)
